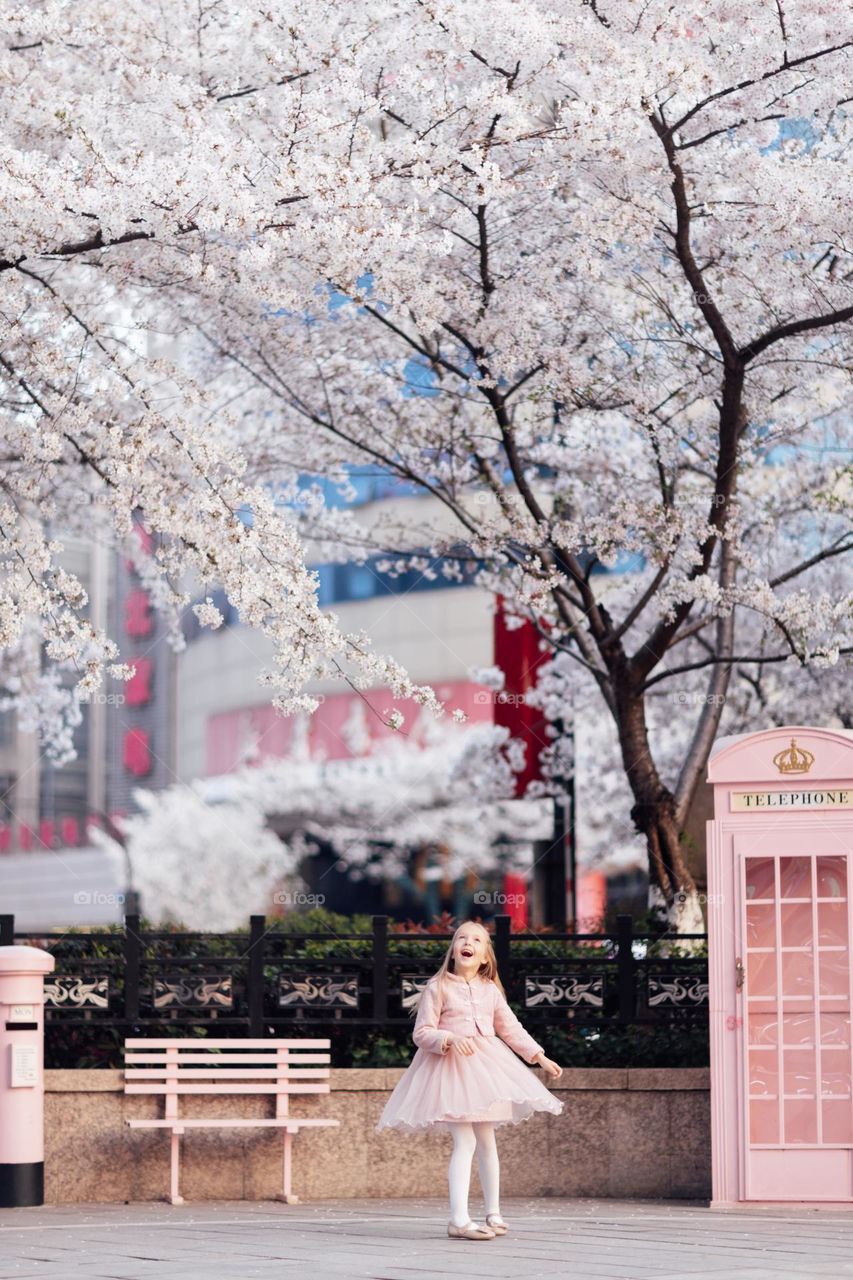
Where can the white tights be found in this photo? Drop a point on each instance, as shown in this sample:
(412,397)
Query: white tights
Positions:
(470,1136)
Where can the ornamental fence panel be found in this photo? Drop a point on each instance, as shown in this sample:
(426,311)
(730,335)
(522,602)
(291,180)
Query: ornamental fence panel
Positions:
(268,981)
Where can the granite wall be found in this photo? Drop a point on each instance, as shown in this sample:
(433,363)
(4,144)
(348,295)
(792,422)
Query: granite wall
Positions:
(622,1133)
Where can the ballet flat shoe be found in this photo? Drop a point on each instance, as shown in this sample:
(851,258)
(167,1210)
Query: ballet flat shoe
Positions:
(499,1228)
(471,1231)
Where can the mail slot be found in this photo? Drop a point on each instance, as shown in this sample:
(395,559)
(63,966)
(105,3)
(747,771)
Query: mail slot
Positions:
(22,971)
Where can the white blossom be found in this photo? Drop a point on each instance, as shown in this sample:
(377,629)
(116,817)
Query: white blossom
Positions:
(208,614)
(525,266)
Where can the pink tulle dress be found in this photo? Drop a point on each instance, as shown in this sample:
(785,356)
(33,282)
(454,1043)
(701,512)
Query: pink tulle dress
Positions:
(441,1085)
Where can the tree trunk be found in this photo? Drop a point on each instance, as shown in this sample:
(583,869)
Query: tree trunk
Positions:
(672,887)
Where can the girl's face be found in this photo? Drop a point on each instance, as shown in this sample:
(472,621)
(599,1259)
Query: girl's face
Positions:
(469,947)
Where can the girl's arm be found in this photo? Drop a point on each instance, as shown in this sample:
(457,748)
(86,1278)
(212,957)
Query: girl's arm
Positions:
(426,1034)
(512,1032)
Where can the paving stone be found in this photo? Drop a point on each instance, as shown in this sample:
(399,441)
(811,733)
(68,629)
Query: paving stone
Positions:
(550,1239)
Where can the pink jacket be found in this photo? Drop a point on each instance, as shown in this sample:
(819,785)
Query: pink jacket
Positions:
(469,1007)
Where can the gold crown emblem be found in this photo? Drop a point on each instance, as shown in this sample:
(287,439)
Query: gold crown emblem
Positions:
(794,760)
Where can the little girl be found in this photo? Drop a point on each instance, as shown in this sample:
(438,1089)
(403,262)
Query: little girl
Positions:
(465,1079)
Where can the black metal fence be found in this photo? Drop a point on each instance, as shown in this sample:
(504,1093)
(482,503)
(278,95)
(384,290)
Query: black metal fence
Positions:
(272,981)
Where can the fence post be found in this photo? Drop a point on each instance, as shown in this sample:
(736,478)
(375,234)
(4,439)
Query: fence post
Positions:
(257,932)
(625,970)
(502,951)
(132,959)
(380,968)
(7,931)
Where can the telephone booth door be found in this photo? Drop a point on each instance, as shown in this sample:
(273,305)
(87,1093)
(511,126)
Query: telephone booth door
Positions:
(795,1047)
(780,964)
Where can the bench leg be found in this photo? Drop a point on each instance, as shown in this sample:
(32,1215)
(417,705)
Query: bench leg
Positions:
(174,1196)
(287,1194)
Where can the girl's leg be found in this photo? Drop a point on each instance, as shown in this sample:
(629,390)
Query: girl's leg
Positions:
(459,1172)
(488,1165)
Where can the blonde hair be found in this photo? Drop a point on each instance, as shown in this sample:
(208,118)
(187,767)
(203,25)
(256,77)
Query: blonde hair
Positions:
(487,969)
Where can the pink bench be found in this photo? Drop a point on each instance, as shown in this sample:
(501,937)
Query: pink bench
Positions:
(201,1066)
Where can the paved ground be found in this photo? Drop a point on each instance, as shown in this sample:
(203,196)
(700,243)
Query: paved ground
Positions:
(407,1240)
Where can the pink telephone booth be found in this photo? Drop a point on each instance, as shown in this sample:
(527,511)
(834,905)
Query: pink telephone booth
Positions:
(780,879)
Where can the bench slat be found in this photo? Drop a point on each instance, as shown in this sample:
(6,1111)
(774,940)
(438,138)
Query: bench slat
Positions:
(227,1073)
(221,1059)
(280,1123)
(166,1086)
(314,1042)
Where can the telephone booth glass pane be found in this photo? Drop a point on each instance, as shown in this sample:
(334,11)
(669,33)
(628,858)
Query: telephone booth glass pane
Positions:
(837,1121)
(796,920)
(832,924)
(759,878)
(834,976)
(800,1121)
(799,1029)
(761,924)
(763,1121)
(763,1029)
(835,1030)
(795,875)
(800,1085)
(832,877)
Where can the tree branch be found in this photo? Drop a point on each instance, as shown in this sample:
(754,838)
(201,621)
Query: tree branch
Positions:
(833,550)
(753,659)
(791,329)
(789,64)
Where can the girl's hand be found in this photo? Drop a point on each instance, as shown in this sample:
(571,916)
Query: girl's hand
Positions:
(463,1044)
(550,1068)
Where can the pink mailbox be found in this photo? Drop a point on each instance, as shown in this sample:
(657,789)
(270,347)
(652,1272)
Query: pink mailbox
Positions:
(780,876)
(22,971)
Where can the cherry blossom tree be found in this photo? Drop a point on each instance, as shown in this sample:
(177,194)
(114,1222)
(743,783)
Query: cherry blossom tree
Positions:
(581,277)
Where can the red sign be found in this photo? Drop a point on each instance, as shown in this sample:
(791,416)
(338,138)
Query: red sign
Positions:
(137,613)
(519,656)
(69,830)
(136,755)
(138,623)
(515,888)
(137,691)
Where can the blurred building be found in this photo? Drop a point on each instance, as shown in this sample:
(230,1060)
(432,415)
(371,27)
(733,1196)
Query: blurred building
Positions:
(126,734)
